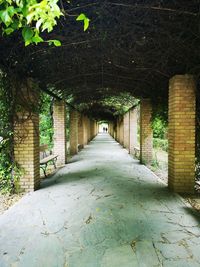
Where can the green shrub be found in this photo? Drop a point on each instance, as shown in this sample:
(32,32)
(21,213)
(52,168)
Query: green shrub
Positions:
(160,144)
(159,127)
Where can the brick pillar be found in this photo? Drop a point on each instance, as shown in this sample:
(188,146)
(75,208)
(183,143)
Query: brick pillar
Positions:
(80,130)
(88,129)
(59,119)
(112,129)
(181,133)
(73,132)
(97,128)
(121,130)
(133,130)
(117,135)
(126,130)
(26,142)
(146,133)
(91,129)
(85,130)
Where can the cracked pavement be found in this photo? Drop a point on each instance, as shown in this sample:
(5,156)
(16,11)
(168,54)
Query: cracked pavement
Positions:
(103,209)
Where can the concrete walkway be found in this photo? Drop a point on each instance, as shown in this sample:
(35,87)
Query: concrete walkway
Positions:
(102,210)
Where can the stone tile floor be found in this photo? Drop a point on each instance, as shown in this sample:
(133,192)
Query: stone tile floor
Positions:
(103,209)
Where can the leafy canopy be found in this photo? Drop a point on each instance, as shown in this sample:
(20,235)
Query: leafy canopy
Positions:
(32,17)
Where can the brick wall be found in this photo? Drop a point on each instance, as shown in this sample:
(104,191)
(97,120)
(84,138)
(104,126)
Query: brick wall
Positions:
(146,133)
(182,133)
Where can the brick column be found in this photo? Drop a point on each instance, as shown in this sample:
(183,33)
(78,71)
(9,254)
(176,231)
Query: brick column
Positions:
(60,143)
(26,140)
(181,133)
(97,128)
(73,132)
(146,133)
(121,131)
(80,130)
(126,130)
(112,129)
(88,130)
(91,129)
(133,130)
(85,130)
(95,125)
(117,135)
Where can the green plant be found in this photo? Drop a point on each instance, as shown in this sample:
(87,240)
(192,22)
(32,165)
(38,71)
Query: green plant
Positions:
(32,17)
(160,144)
(159,127)
(46,120)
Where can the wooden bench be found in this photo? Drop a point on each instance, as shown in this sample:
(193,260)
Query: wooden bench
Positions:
(136,152)
(46,157)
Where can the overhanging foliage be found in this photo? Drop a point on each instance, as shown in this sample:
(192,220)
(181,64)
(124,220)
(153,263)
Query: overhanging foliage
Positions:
(130,47)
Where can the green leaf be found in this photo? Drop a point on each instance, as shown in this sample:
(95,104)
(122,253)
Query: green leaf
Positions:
(86,24)
(28,42)
(27,33)
(29,17)
(38,24)
(5,17)
(81,17)
(37,39)
(15,25)
(55,42)
(11,11)
(47,25)
(8,31)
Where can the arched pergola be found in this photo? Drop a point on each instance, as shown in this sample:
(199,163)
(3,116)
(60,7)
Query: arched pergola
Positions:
(148,49)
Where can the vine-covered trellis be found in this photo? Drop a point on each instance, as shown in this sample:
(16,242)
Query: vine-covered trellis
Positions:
(131,47)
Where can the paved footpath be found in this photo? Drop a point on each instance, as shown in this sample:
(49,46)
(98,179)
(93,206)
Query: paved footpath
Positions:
(103,209)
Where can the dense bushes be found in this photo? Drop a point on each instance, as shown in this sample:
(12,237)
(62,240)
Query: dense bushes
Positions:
(159,126)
